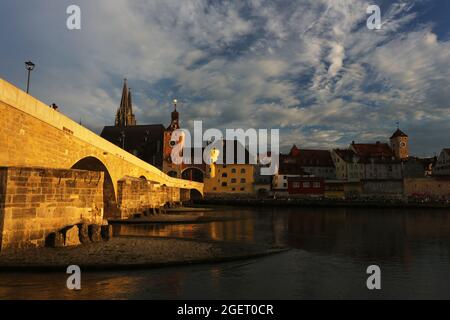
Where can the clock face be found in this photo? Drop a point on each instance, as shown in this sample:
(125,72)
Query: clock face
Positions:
(402,144)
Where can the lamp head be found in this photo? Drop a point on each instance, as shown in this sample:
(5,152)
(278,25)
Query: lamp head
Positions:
(29,65)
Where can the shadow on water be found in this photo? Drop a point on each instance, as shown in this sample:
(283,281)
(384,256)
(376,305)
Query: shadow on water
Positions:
(331,250)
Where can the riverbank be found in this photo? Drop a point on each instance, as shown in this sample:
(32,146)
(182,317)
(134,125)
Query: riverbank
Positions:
(130,253)
(372,204)
(172,218)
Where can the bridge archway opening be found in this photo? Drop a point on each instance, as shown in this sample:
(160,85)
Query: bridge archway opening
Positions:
(109,194)
(195,194)
(193,174)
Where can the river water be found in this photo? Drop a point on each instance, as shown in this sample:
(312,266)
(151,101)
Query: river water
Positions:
(330,252)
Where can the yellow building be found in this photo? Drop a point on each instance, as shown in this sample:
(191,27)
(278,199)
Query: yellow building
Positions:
(230,179)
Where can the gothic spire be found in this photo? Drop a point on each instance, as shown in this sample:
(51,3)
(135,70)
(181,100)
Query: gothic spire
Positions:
(125,116)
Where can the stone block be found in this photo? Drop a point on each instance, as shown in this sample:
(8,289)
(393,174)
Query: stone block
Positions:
(19,199)
(54,240)
(95,233)
(83,231)
(107,232)
(72,237)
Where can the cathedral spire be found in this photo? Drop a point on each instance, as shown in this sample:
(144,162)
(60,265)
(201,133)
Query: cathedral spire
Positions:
(125,116)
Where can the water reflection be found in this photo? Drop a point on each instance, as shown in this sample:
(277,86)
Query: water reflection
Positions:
(366,235)
(331,251)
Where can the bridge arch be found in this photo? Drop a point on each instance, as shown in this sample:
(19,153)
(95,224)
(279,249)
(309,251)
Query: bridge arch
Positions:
(109,184)
(195,194)
(193,174)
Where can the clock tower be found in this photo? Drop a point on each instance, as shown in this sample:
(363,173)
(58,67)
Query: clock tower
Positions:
(169,167)
(399,144)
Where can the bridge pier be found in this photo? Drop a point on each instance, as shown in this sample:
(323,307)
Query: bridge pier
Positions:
(136,196)
(37,201)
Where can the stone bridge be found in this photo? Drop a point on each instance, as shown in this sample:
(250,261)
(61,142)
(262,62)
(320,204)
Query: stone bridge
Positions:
(32,134)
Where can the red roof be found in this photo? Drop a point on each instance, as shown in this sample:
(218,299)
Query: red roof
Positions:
(291,169)
(373,150)
(308,158)
(345,154)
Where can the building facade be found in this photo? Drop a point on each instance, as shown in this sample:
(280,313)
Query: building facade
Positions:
(170,168)
(300,163)
(427,187)
(306,187)
(399,145)
(231,179)
(375,161)
(442,167)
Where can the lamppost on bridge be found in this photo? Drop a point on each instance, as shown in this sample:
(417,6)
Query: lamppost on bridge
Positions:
(30,67)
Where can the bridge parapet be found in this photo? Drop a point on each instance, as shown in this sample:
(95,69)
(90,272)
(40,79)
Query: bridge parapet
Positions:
(71,142)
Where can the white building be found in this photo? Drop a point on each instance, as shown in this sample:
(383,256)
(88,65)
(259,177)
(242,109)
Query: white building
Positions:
(442,167)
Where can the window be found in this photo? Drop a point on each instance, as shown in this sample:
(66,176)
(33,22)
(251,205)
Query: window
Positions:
(243,180)
(242,170)
(233,180)
(316,184)
(242,189)
(285,185)
(224,184)
(306,185)
(296,185)
(233,189)
(224,175)
(233,170)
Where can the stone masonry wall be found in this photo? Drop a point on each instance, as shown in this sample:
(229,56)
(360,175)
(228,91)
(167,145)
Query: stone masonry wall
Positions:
(35,202)
(34,135)
(139,195)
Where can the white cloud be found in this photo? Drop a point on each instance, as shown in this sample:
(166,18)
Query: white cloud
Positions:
(308,66)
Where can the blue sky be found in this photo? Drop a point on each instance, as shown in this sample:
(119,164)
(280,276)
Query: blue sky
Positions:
(308,67)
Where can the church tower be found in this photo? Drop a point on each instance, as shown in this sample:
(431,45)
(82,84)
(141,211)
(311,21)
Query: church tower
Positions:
(399,144)
(125,116)
(169,167)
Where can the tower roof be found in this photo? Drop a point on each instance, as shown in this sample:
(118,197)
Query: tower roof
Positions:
(398,133)
(125,116)
(175,118)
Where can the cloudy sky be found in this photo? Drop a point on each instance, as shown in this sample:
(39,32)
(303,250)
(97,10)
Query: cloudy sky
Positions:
(308,67)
